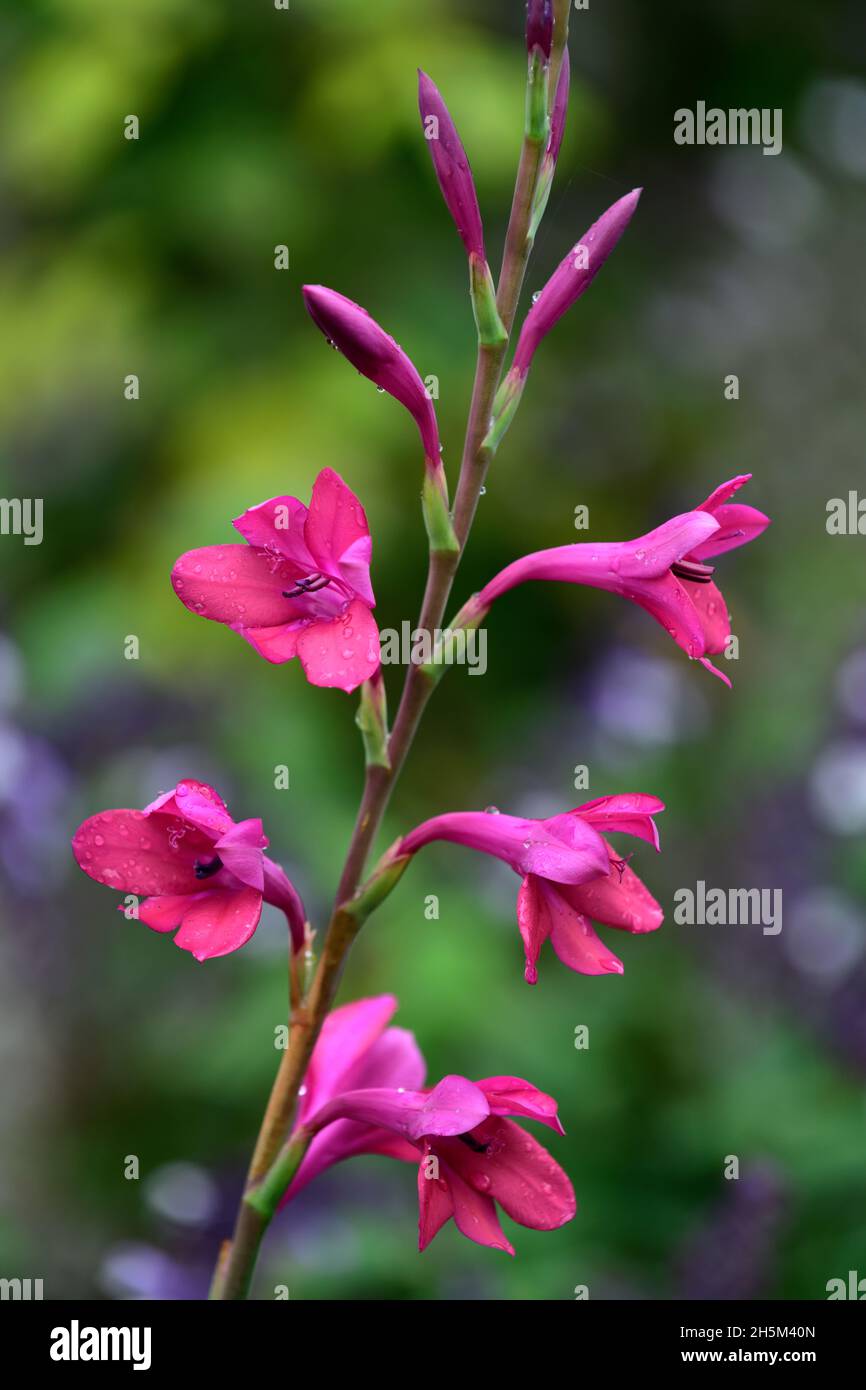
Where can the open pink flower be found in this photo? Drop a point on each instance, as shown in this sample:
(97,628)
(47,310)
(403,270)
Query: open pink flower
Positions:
(570,873)
(664,572)
(364,1095)
(195,867)
(301,587)
(563,913)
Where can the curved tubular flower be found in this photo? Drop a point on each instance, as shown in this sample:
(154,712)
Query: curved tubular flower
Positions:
(570,874)
(452,166)
(197,869)
(300,587)
(364,1094)
(376,355)
(563,913)
(664,571)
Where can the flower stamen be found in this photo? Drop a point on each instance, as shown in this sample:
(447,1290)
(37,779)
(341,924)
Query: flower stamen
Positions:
(311,585)
(693,571)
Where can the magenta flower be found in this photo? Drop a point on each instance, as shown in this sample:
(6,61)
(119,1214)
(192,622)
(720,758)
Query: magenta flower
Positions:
(301,587)
(563,913)
(664,571)
(195,867)
(570,873)
(375,355)
(452,166)
(364,1094)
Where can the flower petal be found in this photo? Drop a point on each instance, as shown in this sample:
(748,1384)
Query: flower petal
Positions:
(220,922)
(276,644)
(511,1095)
(164,913)
(454,1106)
(533,921)
(136,853)
(573,939)
(347,1035)
(563,848)
(619,900)
(435,1206)
(630,814)
(712,612)
(576,941)
(343,652)
(518,1173)
(240,850)
(475,1213)
(649,556)
(338,536)
(277,526)
(235,584)
(195,803)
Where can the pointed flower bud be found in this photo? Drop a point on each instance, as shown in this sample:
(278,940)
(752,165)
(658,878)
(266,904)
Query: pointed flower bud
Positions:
(568,282)
(451,165)
(573,277)
(539,27)
(376,355)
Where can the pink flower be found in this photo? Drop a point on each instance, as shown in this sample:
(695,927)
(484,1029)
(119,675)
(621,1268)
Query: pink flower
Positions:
(570,874)
(374,353)
(364,1095)
(301,587)
(664,571)
(563,913)
(196,868)
(451,165)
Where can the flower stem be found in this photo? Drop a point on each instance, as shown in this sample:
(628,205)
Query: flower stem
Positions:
(269,1165)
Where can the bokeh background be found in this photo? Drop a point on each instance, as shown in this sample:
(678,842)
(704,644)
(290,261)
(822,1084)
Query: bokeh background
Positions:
(156,257)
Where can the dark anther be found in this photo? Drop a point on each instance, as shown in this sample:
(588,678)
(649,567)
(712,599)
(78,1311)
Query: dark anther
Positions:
(691,569)
(620,865)
(473,1144)
(311,585)
(207,870)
